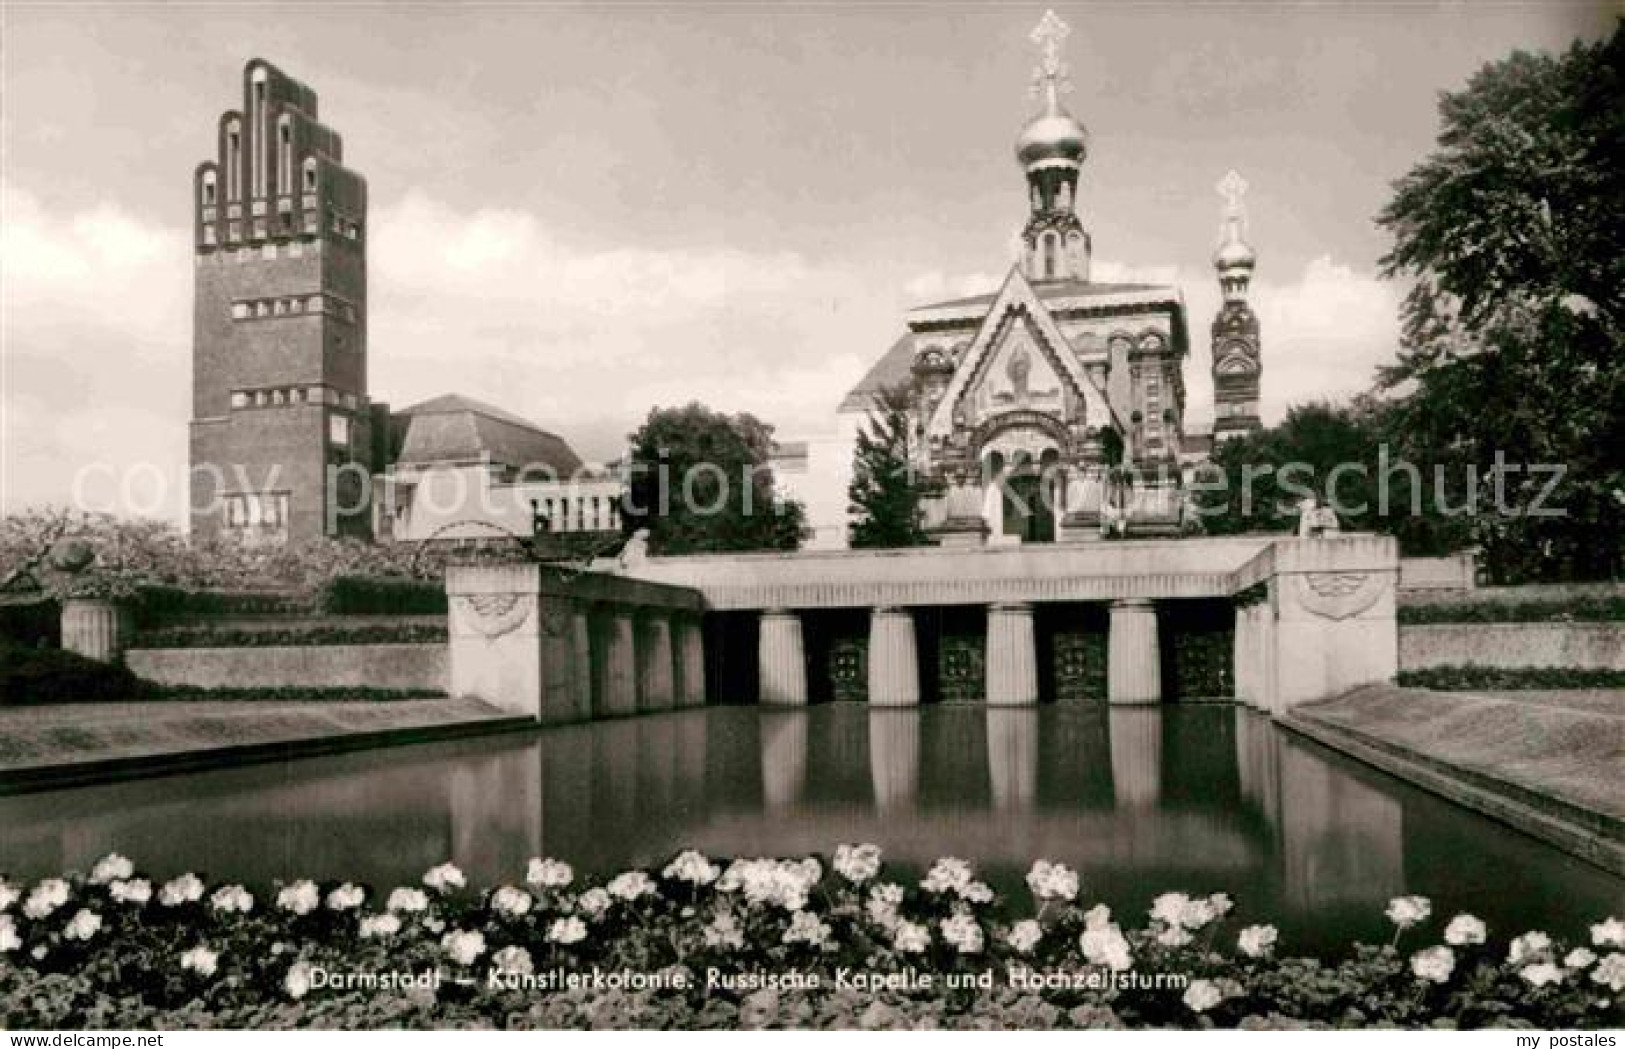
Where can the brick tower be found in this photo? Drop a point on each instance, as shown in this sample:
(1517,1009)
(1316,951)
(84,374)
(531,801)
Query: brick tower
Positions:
(282,430)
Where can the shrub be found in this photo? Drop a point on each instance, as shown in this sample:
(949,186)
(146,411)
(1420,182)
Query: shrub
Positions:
(51,675)
(273,635)
(382,595)
(1594,608)
(284,695)
(1468,679)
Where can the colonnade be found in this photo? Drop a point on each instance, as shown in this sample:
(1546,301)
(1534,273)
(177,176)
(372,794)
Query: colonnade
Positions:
(1012,674)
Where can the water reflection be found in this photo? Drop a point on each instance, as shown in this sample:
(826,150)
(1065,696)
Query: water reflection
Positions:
(1139,800)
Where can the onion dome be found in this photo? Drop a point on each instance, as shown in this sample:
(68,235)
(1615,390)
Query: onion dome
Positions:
(1233,252)
(1053,136)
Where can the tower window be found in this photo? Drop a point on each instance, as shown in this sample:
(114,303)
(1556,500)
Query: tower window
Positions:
(234,161)
(338,430)
(1050,244)
(284,143)
(208,189)
(310,174)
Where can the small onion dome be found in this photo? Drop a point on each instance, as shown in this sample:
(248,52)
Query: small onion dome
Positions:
(1234,253)
(1052,136)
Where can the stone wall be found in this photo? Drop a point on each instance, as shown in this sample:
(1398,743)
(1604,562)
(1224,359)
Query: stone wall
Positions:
(417,668)
(1577,646)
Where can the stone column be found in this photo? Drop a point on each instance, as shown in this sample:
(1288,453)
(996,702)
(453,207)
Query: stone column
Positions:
(1133,670)
(690,644)
(781,659)
(1012,655)
(894,664)
(94,629)
(561,686)
(656,690)
(1136,743)
(617,664)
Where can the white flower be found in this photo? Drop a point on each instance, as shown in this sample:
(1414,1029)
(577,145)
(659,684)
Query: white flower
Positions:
(724,931)
(806,928)
(184,889)
(1529,946)
(346,897)
(567,930)
(962,932)
(767,882)
(594,902)
(297,982)
(692,867)
(407,901)
(1024,936)
(857,863)
(47,896)
(1540,974)
(1052,881)
(300,898)
(1610,933)
(463,947)
(84,925)
(136,891)
(889,893)
(9,940)
(1610,972)
(978,892)
(1174,936)
(1106,946)
(374,925)
(1097,917)
(631,885)
(1578,958)
(201,960)
(947,875)
(1406,911)
(1220,904)
(511,902)
(549,874)
(444,878)
(1464,930)
(1202,995)
(232,898)
(1435,963)
(1256,941)
(111,867)
(433,924)
(512,961)
(909,938)
(1197,914)
(9,894)
(1169,908)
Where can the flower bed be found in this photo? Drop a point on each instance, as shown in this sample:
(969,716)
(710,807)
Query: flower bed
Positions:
(755,943)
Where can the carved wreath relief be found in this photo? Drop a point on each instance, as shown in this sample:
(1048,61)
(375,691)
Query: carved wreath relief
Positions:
(493,615)
(1339,595)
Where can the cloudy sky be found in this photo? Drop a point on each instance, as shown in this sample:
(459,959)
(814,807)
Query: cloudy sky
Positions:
(579,213)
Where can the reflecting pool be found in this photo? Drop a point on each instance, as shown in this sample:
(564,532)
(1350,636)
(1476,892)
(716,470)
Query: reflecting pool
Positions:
(1139,800)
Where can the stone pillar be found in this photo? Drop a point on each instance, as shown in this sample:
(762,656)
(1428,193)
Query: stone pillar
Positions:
(562,687)
(690,645)
(1133,669)
(1136,744)
(1334,626)
(656,689)
(617,671)
(94,628)
(894,664)
(1012,655)
(494,628)
(781,659)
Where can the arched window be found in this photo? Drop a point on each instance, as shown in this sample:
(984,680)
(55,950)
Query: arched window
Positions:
(207,190)
(261,129)
(310,174)
(284,147)
(1051,244)
(234,160)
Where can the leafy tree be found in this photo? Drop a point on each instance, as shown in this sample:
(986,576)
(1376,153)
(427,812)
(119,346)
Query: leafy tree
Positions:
(700,482)
(884,494)
(1513,351)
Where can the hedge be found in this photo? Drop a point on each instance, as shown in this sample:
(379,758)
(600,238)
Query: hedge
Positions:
(1470,679)
(1590,608)
(382,595)
(52,675)
(273,636)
